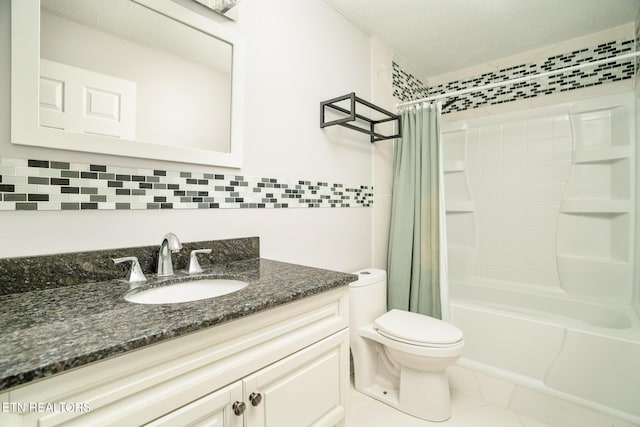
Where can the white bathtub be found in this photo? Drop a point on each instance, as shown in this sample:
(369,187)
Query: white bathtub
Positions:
(581,351)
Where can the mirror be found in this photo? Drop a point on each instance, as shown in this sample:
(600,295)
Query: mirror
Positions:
(145,78)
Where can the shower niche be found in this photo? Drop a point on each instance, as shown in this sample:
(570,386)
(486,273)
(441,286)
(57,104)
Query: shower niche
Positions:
(459,206)
(596,214)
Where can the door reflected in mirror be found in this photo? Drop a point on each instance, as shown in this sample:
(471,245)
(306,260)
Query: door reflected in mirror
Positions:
(130,72)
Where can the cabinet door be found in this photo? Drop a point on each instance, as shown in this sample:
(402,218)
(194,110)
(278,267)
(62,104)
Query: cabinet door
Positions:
(215,409)
(307,388)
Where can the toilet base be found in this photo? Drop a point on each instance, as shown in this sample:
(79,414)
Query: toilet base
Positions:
(424,395)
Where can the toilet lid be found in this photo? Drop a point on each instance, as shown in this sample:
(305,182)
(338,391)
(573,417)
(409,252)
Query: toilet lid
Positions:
(417,328)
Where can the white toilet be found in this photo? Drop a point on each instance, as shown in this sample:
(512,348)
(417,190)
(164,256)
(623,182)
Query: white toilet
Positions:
(400,357)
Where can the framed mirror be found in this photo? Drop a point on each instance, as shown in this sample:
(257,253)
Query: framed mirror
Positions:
(140,78)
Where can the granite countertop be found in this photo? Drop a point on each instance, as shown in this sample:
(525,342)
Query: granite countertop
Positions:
(48,331)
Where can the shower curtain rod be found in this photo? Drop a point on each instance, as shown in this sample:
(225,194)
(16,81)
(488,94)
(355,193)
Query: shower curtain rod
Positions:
(519,79)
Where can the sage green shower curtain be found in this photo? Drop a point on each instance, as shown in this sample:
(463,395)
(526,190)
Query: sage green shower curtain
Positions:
(413,260)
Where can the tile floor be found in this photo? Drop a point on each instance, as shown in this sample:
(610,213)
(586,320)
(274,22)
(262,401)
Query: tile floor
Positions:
(363,411)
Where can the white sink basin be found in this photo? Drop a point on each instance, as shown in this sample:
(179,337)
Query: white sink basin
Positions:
(186,291)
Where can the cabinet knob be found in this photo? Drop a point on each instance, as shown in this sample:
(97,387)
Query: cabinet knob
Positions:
(255,399)
(238,408)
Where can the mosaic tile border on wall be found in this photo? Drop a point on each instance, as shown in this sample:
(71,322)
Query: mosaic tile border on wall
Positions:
(30,184)
(406,86)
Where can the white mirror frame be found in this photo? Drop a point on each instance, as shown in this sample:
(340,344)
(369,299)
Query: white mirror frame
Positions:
(25,72)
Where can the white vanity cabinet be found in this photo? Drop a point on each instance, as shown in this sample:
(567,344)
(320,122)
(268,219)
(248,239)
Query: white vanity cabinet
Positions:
(301,389)
(287,366)
(215,409)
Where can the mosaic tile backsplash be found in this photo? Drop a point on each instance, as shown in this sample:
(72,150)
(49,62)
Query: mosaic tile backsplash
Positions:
(407,87)
(35,184)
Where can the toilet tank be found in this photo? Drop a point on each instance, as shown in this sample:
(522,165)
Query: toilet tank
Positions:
(367,297)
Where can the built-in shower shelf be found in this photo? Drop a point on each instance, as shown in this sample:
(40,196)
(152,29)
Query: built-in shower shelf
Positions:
(604,236)
(579,272)
(600,155)
(594,276)
(459,206)
(592,260)
(595,206)
(454,166)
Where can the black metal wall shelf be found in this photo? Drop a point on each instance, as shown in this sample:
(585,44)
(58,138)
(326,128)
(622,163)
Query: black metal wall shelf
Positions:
(352,116)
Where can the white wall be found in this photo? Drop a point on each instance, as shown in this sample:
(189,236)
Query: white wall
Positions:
(298,54)
(382,95)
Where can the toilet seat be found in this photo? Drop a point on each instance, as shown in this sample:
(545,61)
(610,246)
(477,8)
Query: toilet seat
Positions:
(417,329)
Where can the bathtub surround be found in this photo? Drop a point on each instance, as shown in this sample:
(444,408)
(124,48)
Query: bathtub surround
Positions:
(26,274)
(31,184)
(540,213)
(407,87)
(544,197)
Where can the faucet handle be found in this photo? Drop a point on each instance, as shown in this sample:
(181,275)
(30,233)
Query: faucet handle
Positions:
(135,272)
(194,266)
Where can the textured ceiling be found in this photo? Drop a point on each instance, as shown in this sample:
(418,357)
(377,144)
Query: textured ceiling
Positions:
(439,36)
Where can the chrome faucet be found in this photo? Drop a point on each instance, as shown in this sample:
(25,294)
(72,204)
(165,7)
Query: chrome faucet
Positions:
(170,243)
